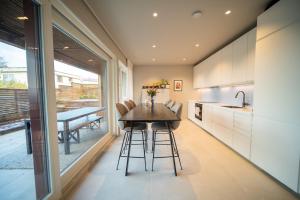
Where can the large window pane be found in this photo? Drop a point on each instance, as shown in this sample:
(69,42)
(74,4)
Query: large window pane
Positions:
(23,157)
(80,79)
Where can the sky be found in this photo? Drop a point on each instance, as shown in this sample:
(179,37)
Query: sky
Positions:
(16,57)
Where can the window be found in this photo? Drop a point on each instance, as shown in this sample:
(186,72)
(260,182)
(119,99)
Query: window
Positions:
(23,165)
(80,97)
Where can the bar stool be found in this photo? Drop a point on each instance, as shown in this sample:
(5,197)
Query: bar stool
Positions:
(132,102)
(162,128)
(137,128)
(128,105)
(170,104)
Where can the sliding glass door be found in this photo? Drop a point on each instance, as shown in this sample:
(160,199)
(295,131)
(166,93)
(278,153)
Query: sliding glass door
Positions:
(24,170)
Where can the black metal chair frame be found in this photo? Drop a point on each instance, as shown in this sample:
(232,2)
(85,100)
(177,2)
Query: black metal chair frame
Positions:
(163,142)
(127,142)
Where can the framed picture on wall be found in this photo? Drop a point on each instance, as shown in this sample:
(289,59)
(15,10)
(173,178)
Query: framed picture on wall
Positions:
(178,85)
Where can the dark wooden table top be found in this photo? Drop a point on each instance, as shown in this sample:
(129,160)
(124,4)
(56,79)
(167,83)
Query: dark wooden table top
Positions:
(142,113)
(77,113)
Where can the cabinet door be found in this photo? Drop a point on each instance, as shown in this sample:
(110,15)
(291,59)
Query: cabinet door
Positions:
(275,148)
(251,43)
(225,65)
(196,76)
(191,110)
(240,60)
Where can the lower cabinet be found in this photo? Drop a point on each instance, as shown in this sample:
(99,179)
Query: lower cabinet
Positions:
(276,149)
(232,127)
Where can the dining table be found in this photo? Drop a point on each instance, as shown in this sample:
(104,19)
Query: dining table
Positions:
(157,112)
(70,115)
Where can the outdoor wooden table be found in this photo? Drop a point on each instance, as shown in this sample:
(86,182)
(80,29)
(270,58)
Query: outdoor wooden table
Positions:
(142,113)
(67,116)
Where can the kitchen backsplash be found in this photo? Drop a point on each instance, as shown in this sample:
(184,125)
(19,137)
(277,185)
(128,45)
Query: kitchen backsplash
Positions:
(227,94)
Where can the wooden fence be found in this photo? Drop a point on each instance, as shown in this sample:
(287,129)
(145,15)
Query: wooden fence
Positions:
(14,104)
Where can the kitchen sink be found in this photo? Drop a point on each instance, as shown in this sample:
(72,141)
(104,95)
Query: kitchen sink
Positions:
(232,106)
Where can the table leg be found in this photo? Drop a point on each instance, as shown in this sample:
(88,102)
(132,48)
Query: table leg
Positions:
(172,148)
(129,147)
(66,138)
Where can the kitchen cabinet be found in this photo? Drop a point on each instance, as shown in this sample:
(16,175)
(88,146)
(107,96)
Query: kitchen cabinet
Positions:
(225,65)
(275,138)
(251,44)
(234,64)
(280,15)
(242,132)
(276,149)
(239,60)
(191,110)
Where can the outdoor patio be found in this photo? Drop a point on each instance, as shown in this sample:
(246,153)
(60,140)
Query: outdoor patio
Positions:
(13,153)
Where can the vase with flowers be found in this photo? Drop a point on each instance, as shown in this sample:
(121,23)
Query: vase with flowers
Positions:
(152,91)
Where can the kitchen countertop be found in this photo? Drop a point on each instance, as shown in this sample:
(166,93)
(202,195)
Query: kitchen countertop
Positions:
(247,109)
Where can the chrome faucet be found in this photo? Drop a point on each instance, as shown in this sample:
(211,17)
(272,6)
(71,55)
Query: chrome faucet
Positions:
(244,102)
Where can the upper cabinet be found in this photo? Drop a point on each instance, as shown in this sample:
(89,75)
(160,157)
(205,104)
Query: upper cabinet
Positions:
(234,64)
(239,60)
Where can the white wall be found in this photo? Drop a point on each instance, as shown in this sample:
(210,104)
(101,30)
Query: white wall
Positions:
(148,74)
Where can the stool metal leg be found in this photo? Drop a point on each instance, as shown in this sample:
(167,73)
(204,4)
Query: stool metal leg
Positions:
(171,140)
(144,149)
(125,136)
(176,149)
(153,147)
(129,148)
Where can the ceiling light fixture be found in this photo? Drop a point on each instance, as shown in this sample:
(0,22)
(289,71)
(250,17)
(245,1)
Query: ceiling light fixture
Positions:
(197,45)
(66,47)
(22,18)
(197,14)
(153,46)
(90,60)
(155,14)
(153,59)
(227,12)
(184,59)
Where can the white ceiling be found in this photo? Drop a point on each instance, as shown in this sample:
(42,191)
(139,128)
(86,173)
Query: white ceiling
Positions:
(174,31)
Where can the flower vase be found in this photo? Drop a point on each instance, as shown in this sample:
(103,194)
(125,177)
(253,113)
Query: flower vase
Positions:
(152,103)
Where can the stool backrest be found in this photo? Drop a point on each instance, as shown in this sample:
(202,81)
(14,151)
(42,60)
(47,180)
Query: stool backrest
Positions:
(128,104)
(132,103)
(121,111)
(170,104)
(177,109)
(167,102)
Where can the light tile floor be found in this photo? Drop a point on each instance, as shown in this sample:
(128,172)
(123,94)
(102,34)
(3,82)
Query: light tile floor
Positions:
(212,171)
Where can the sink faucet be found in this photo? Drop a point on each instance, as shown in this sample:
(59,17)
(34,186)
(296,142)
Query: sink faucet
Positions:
(243,93)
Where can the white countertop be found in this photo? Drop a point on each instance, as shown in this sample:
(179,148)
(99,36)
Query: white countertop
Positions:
(247,109)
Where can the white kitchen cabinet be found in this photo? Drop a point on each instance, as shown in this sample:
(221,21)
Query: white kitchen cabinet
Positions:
(197,76)
(225,65)
(239,60)
(251,43)
(207,117)
(242,132)
(275,139)
(191,110)
(275,148)
(234,64)
(280,15)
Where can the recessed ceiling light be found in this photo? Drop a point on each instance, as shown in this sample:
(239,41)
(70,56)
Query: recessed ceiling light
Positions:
(90,60)
(155,14)
(197,45)
(153,59)
(184,59)
(197,14)
(153,46)
(66,47)
(227,12)
(22,18)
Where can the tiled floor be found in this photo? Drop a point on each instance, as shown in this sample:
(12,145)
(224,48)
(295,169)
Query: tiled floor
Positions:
(212,171)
